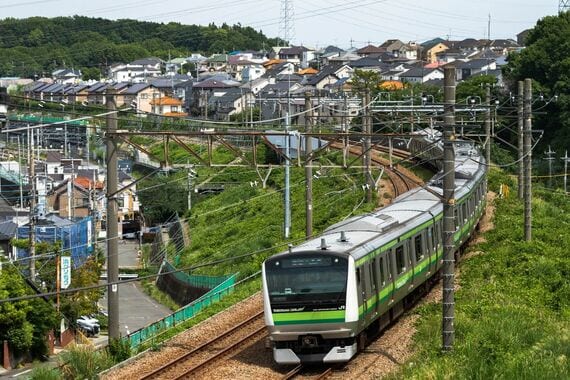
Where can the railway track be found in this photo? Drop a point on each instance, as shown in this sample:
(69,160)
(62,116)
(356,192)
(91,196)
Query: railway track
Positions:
(400,182)
(204,355)
(321,375)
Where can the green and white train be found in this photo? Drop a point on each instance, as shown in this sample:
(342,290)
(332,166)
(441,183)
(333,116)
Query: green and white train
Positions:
(324,297)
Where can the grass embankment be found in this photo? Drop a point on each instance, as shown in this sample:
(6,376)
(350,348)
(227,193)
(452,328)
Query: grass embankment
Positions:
(512,316)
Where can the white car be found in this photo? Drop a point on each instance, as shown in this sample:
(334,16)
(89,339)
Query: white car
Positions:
(90,326)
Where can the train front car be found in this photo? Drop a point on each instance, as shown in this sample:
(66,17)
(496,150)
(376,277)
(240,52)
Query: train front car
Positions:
(311,307)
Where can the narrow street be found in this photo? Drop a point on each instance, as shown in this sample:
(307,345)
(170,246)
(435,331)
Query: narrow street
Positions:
(136,308)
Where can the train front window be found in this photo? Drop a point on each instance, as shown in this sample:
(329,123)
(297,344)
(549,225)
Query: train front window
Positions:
(313,279)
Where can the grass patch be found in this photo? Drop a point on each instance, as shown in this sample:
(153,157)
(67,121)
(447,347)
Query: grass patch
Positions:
(513,308)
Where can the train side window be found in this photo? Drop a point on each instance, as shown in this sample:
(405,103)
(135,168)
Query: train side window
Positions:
(400,260)
(382,271)
(418,248)
(373,277)
(358,275)
(464,211)
(430,243)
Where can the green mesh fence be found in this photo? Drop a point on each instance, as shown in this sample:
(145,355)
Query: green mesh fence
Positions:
(46,120)
(193,280)
(222,289)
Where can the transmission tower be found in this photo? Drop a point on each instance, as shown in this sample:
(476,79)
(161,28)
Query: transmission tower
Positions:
(287,21)
(563,6)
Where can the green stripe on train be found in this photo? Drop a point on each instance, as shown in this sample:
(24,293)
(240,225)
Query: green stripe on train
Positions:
(295,318)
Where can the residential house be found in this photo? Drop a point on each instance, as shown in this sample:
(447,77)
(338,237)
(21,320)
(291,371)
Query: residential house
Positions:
(140,96)
(521,37)
(408,51)
(202,91)
(137,71)
(256,85)
(96,94)
(183,91)
(329,75)
(175,65)
(369,63)
(503,46)
(450,55)
(466,69)
(421,75)
(71,199)
(430,50)
(167,106)
(282,68)
(229,102)
(299,55)
(369,50)
(66,76)
(469,45)
(252,72)
(392,46)
(344,58)
(217,62)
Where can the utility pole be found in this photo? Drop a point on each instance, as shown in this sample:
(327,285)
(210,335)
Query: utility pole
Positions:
(550,157)
(308,167)
(287,194)
(112,226)
(527,159)
(488,126)
(190,187)
(520,111)
(566,159)
(448,209)
(366,146)
(32,234)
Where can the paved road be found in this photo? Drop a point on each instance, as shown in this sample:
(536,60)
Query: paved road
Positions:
(136,309)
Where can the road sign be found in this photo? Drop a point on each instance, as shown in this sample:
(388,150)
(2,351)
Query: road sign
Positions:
(65,272)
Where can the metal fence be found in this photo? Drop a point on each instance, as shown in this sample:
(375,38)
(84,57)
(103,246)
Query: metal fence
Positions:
(189,311)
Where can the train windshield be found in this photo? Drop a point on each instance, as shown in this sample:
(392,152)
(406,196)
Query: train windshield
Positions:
(315,281)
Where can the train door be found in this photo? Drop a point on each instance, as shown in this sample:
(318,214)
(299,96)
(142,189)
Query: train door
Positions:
(367,292)
(360,283)
(389,270)
(419,257)
(385,287)
(430,248)
(402,271)
(373,268)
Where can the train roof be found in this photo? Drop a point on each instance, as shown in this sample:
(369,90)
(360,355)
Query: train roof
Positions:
(357,235)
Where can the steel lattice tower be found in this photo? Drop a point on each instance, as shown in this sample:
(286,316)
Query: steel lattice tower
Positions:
(563,6)
(287,21)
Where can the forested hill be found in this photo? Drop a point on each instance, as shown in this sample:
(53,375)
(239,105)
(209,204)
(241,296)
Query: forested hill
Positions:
(39,45)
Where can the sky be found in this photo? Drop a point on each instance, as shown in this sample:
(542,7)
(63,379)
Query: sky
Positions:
(318,23)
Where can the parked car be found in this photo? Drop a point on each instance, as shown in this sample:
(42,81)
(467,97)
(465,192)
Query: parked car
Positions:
(88,325)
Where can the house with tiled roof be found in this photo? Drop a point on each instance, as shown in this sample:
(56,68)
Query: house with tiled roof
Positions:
(420,75)
(140,95)
(299,55)
(66,76)
(329,75)
(217,62)
(229,102)
(369,50)
(392,46)
(167,106)
(429,50)
(466,69)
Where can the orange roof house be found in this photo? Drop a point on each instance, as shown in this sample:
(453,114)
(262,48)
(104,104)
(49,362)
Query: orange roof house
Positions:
(167,106)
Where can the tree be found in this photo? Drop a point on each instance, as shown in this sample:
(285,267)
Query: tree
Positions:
(546,60)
